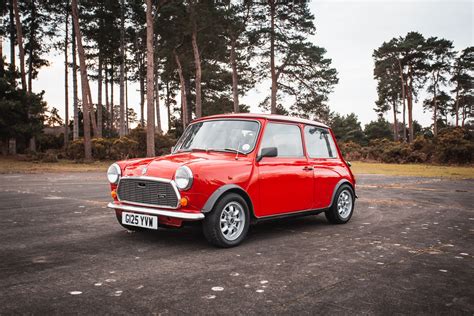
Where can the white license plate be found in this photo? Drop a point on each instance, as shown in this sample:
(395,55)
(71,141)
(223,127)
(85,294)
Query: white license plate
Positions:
(140,220)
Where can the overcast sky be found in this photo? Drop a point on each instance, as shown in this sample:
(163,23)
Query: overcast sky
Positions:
(350,30)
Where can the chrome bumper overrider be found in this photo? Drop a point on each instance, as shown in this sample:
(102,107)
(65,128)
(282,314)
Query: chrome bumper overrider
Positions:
(153,211)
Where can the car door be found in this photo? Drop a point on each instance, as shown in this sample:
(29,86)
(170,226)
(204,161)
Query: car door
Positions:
(286,181)
(323,157)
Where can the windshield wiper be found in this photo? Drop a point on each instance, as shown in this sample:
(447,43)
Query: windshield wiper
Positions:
(235,151)
(191,149)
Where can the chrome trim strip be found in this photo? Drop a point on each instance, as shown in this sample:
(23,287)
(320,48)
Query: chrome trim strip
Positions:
(173,184)
(146,210)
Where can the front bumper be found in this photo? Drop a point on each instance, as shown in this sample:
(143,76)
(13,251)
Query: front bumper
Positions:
(153,211)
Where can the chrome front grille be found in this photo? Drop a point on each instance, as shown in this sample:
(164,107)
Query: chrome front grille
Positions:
(148,191)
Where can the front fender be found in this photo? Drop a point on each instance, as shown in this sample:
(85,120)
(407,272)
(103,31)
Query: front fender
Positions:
(211,201)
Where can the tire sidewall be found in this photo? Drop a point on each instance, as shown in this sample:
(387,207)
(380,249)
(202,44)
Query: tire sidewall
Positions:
(214,219)
(340,219)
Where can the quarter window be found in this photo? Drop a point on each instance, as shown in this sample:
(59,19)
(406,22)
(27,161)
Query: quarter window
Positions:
(285,137)
(319,142)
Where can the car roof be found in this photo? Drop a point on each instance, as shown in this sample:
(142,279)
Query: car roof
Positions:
(273,117)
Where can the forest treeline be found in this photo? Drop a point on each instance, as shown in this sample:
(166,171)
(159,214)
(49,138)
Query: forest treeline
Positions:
(199,58)
(206,54)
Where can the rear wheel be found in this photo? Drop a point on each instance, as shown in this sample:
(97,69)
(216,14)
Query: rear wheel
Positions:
(342,208)
(228,222)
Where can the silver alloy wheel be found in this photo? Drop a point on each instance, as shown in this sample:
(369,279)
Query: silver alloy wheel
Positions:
(232,220)
(344,204)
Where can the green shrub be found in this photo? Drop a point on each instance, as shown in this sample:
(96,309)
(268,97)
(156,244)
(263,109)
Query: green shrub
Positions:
(75,149)
(101,148)
(49,141)
(352,151)
(454,145)
(124,148)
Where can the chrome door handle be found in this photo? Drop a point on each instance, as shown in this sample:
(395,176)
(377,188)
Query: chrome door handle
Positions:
(306,168)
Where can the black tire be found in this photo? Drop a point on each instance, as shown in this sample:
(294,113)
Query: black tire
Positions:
(127,227)
(332,214)
(212,222)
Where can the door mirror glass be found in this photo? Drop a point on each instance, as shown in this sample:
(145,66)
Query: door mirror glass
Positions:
(267,152)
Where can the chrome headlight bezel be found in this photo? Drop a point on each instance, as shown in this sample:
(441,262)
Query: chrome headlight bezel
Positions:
(183,178)
(114,173)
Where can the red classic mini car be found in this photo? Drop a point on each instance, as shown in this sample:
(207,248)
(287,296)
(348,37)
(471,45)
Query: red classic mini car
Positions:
(233,170)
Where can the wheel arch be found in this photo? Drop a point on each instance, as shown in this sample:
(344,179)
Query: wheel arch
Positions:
(338,185)
(220,192)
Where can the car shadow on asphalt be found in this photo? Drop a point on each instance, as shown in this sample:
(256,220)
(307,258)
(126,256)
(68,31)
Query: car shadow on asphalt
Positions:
(191,236)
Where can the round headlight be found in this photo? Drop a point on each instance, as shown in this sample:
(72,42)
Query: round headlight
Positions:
(114,173)
(183,178)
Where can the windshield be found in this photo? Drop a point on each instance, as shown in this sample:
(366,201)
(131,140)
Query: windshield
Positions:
(220,135)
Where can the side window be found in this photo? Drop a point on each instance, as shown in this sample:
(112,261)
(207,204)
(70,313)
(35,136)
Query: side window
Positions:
(285,137)
(319,142)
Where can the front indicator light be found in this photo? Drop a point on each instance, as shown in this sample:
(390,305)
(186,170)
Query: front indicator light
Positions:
(114,194)
(184,201)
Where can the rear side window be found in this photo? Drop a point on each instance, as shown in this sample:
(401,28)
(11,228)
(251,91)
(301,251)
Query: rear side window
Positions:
(319,142)
(285,137)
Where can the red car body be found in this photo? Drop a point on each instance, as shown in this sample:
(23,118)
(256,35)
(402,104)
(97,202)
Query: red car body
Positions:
(271,186)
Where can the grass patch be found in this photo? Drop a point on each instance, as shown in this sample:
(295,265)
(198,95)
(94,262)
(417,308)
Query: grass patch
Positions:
(414,170)
(11,165)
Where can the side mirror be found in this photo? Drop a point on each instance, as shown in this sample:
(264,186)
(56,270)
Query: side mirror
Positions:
(172,148)
(268,152)
(349,163)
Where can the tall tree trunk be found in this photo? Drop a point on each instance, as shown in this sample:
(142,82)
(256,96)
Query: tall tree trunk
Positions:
(197,63)
(30,51)
(464,115)
(189,101)
(456,104)
(107,104)
(410,107)
(66,79)
(168,104)
(2,70)
(404,123)
(142,101)
(150,117)
(112,105)
(122,70)
(235,77)
(99,98)
(182,84)
(272,57)
(435,107)
(126,104)
(75,100)
(157,103)
(395,121)
(19,39)
(12,40)
(403,84)
(91,111)
(84,83)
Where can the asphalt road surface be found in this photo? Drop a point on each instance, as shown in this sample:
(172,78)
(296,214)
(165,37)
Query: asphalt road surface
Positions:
(408,249)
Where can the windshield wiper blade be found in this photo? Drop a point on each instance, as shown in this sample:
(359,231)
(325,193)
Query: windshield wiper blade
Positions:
(235,151)
(187,150)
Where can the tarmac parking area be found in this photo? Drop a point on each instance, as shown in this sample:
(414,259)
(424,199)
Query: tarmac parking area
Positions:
(408,249)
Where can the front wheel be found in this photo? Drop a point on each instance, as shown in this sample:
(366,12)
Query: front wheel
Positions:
(228,222)
(342,207)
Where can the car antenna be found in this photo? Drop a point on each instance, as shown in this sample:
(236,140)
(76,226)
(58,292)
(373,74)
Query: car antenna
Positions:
(237,151)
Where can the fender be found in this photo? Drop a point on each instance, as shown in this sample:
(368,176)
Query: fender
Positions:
(338,185)
(220,192)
